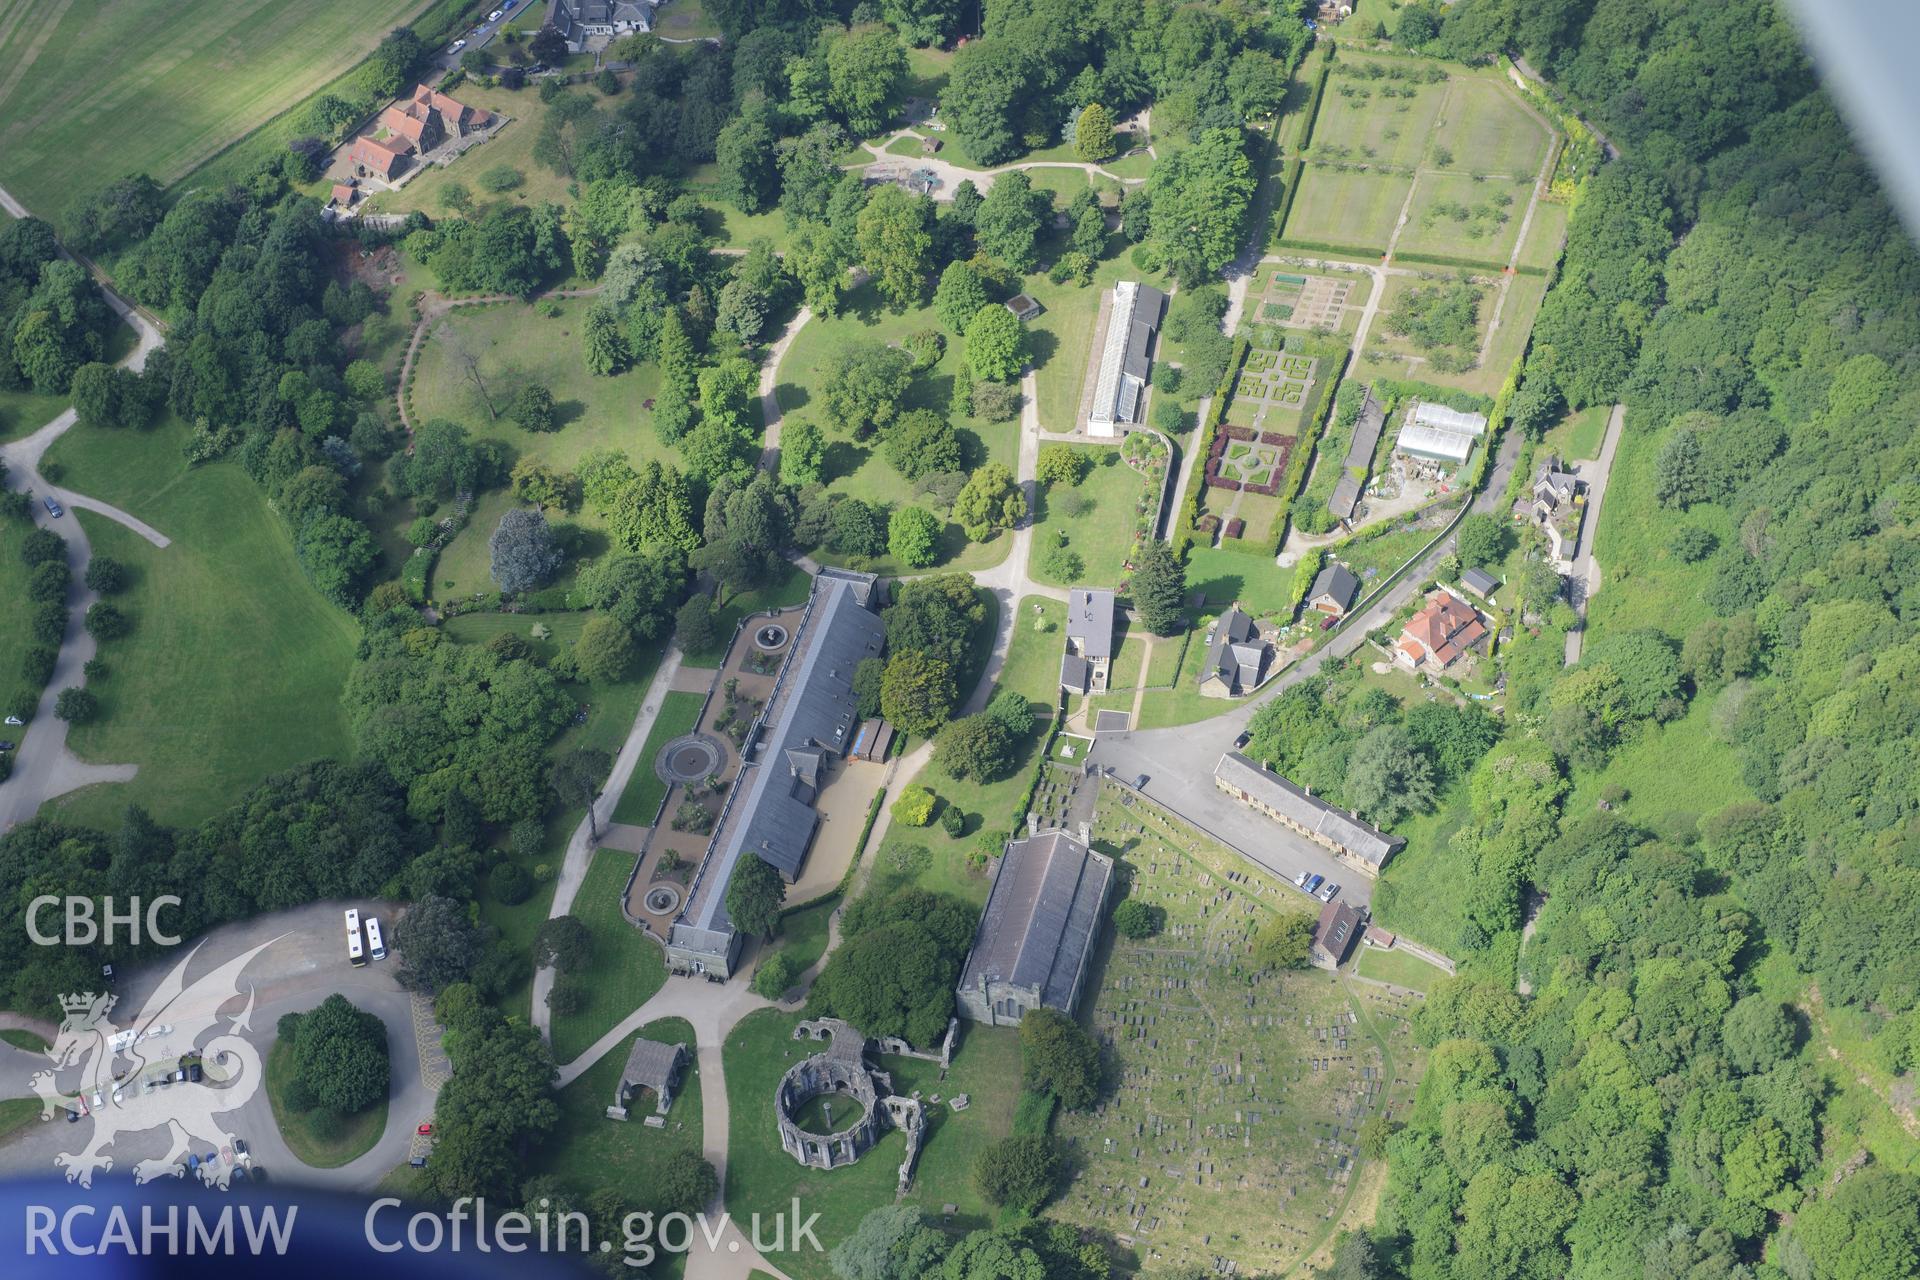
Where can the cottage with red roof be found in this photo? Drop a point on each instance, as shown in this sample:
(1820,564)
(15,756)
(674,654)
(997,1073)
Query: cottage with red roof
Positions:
(379,157)
(1437,636)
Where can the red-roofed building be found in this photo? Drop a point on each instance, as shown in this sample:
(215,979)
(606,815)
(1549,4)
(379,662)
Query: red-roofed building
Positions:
(380,157)
(456,119)
(1437,636)
(414,124)
(343,195)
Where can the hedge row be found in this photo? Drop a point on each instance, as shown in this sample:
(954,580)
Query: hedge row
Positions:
(1313,421)
(1319,92)
(1444,260)
(1183,533)
(1039,767)
(1327,246)
(1496,424)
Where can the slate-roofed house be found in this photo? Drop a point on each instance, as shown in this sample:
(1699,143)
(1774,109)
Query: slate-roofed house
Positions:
(1356,843)
(650,1065)
(808,723)
(1333,591)
(1334,934)
(1126,356)
(1237,657)
(1366,437)
(580,20)
(1554,505)
(1089,652)
(1036,937)
(1440,634)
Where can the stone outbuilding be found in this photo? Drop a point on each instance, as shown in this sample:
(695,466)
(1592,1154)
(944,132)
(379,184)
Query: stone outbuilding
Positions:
(654,1066)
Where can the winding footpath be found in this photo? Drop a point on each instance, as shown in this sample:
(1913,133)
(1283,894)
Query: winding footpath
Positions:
(44,768)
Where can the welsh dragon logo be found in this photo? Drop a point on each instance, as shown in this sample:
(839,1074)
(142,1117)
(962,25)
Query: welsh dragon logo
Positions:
(120,1071)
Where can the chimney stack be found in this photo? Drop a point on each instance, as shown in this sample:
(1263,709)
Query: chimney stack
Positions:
(1086,835)
(1033,823)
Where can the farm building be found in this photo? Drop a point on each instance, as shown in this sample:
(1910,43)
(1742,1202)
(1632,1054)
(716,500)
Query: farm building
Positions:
(1036,937)
(1354,842)
(1439,434)
(808,723)
(1126,356)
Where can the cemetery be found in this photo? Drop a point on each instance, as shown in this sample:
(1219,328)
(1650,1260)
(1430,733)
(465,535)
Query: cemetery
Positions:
(1234,1129)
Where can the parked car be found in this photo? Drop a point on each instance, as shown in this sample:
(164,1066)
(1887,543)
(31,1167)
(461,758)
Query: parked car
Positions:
(99,1100)
(457,45)
(418,1162)
(193,1162)
(1242,740)
(240,1146)
(1328,893)
(73,1115)
(495,15)
(6,746)
(426,1129)
(1301,879)
(15,720)
(53,508)
(1314,882)
(194,1073)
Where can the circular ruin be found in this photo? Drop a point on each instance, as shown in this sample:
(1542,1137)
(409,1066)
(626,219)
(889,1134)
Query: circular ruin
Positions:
(692,758)
(823,1076)
(661,899)
(771,637)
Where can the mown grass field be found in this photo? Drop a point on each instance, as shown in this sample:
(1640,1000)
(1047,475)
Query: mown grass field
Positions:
(1487,130)
(1401,968)
(91,92)
(626,968)
(512,147)
(234,666)
(1395,129)
(1347,208)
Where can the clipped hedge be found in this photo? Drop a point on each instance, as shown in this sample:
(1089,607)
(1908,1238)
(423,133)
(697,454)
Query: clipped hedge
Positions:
(1314,417)
(1319,92)
(1326,246)
(1183,533)
(1446,260)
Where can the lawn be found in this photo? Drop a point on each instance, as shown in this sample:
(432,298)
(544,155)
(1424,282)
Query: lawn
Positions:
(1487,130)
(1062,337)
(16,632)
(1423,891)
(1356,209)
(356,1135)
(640,802)
(1486,233)
(1680,768)
(1261,586)
(1102,535)
(760,1175)
(226,632)
(626,969)
(589,1152)
(1032,666)
(861,467)
(1542,247)
(684,20)
(1401,968)
(1578,435)
(20,1039)
(804,932)
(513,147)
(990,808)
(98,90)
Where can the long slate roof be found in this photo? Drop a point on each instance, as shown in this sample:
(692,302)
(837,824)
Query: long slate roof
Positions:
(770,811)
(1090,618)
(651,1063)
(1043,914)
(1311,812)
(1366,432)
